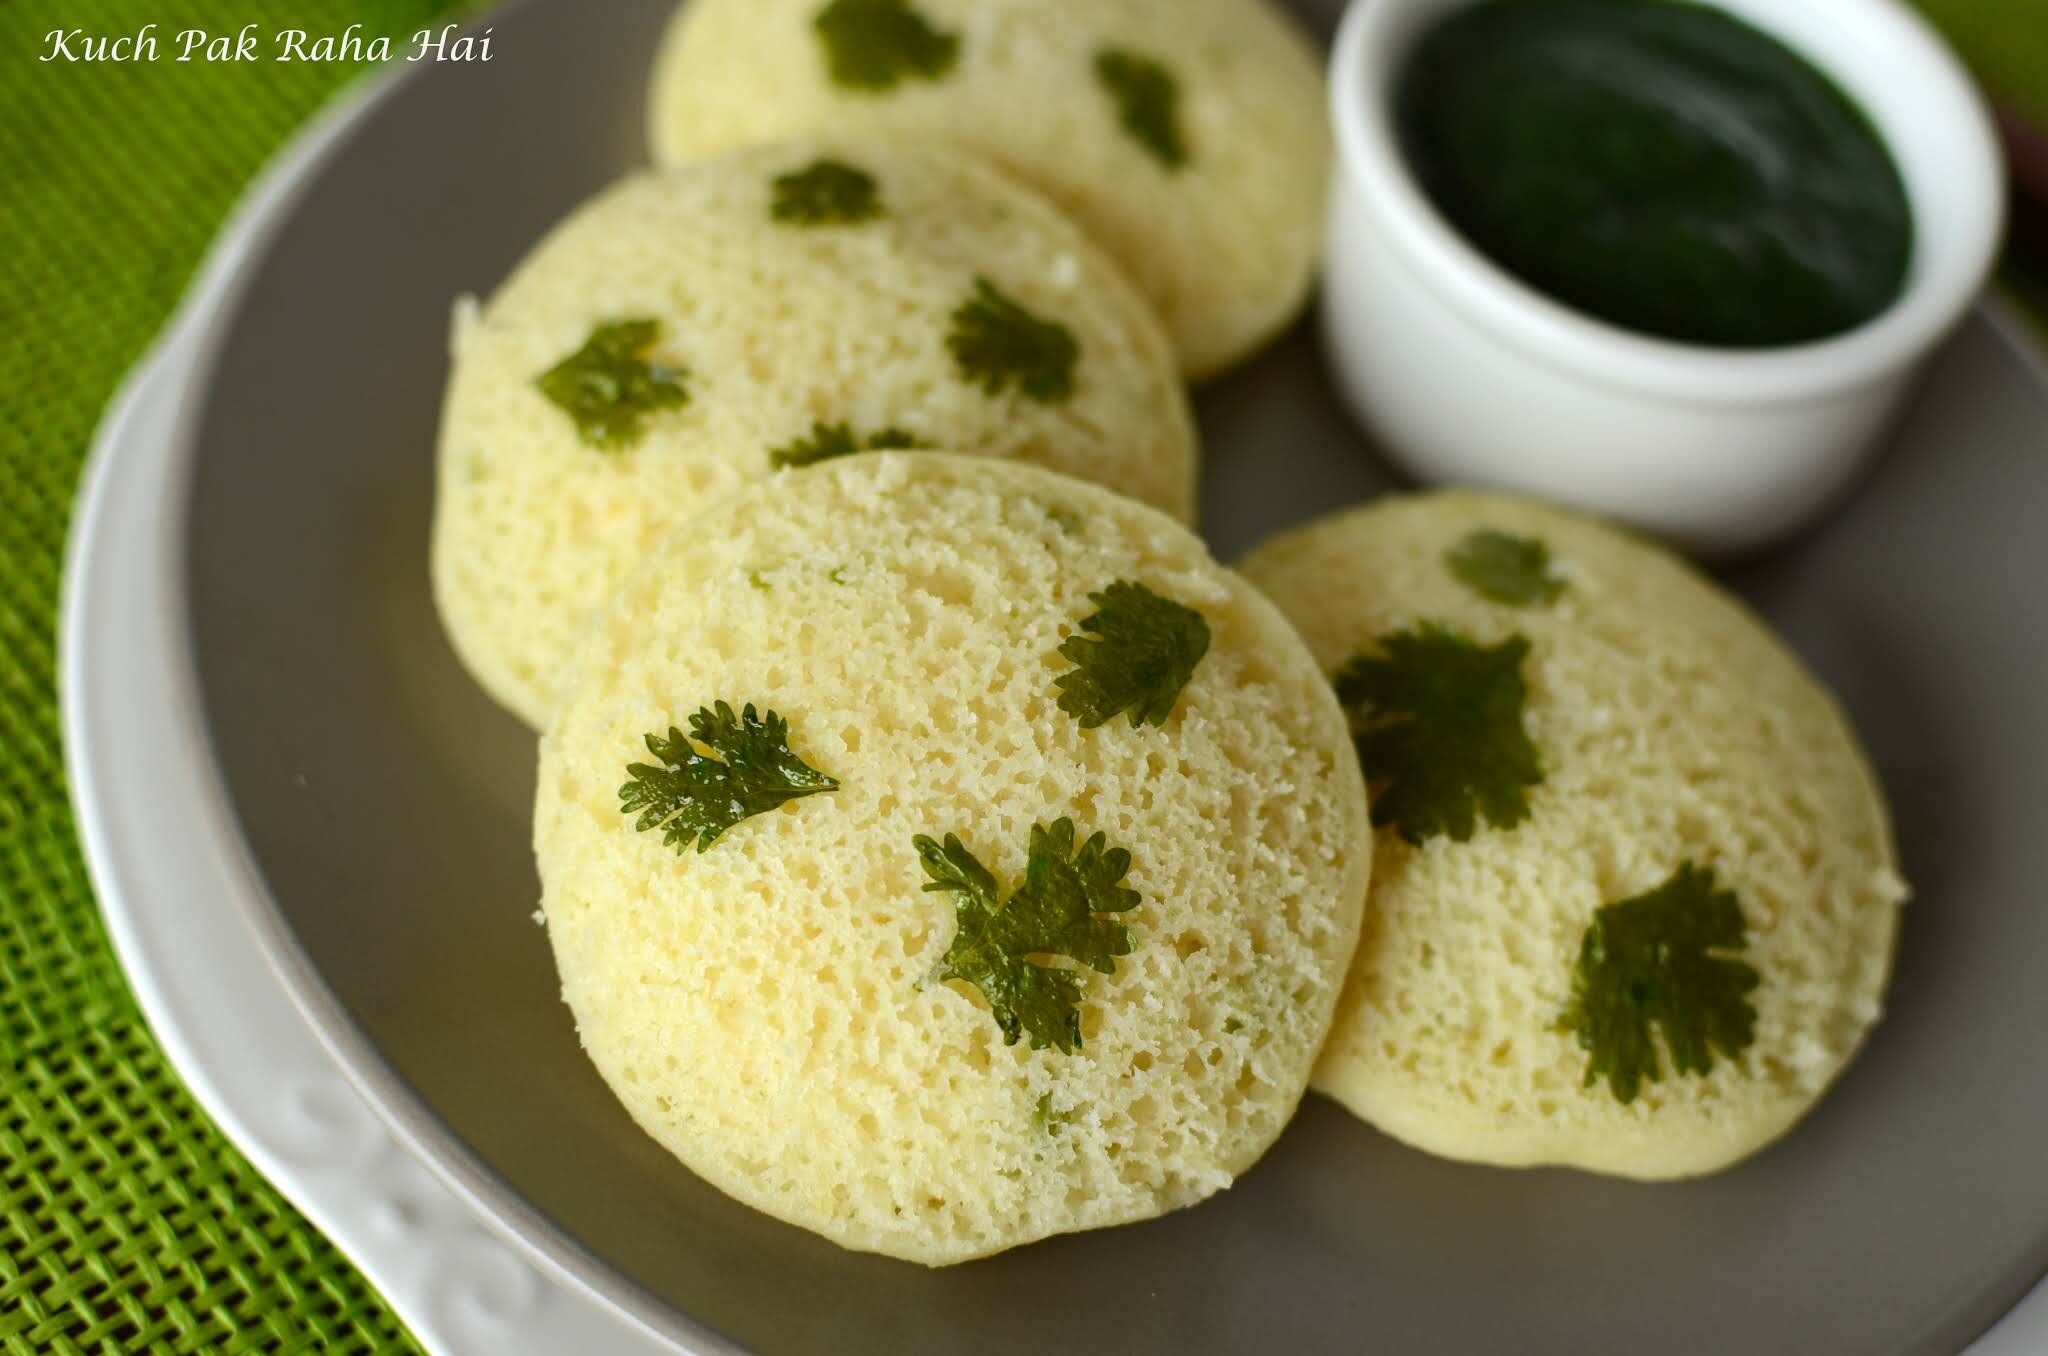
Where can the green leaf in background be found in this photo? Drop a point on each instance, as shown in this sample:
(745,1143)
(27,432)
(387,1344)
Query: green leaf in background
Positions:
(1147,101)
(613,384)
(828,441)
(1509,570)
(874,45)
(826,193)
(997,344)
(2006,43)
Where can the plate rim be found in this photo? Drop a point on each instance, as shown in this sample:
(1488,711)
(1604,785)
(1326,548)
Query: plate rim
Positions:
(425,1237)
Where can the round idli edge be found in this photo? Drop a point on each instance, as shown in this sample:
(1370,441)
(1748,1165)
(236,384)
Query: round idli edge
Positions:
(768,1010)
(1672,726)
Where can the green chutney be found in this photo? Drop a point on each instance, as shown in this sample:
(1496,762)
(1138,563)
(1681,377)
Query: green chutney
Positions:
(1658,165)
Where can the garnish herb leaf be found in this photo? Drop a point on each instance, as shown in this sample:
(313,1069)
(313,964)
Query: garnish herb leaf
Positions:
(691,795)
(610,386)
(874,45)
(998,344)
(1442,739)
(1147,102)
(827,193)
(1650,961)
(827,441)
(1512,571)
(1054,913)
(1140,652)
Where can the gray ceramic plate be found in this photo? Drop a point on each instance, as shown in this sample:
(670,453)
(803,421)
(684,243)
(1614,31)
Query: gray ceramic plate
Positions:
(386,804)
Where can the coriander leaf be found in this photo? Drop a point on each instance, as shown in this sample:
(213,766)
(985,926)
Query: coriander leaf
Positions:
(876,44)
(690,795)
(1146,651)
(828,193)
(826,442)
(837,440)
(610,386)
(1053,913)
(1147,102)
(1647,961)
(998,344)
(1512,571)
(1443,740)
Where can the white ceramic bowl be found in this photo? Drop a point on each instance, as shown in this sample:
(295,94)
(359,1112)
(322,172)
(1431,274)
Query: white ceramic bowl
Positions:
(1467,375)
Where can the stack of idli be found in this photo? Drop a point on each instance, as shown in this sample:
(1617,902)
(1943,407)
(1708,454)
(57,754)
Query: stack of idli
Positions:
(696,329)
(939,849)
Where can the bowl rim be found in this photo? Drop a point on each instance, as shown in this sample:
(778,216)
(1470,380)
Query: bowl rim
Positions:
(1926,86)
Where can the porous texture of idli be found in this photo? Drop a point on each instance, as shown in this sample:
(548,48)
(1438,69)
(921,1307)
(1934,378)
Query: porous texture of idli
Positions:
(1671,728)
(771,332)
(1188,136)
(769,1009)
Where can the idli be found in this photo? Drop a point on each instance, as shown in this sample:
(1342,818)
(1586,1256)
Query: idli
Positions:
(1636,894)
(941,853)
(691,331)
(1188,136)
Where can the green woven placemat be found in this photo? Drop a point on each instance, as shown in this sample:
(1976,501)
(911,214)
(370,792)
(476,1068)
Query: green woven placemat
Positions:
(127,1224)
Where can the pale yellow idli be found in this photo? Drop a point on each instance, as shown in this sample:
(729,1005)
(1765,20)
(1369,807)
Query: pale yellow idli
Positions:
(1188,136)
(772,1009)
(1683,755)
(778,302)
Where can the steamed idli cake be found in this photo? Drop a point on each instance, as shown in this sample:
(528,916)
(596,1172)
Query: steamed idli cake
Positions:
(1636,894)
(691,331)
(1188,136)
(1027,862)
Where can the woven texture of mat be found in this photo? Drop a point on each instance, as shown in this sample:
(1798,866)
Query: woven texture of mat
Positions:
(127,1224)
